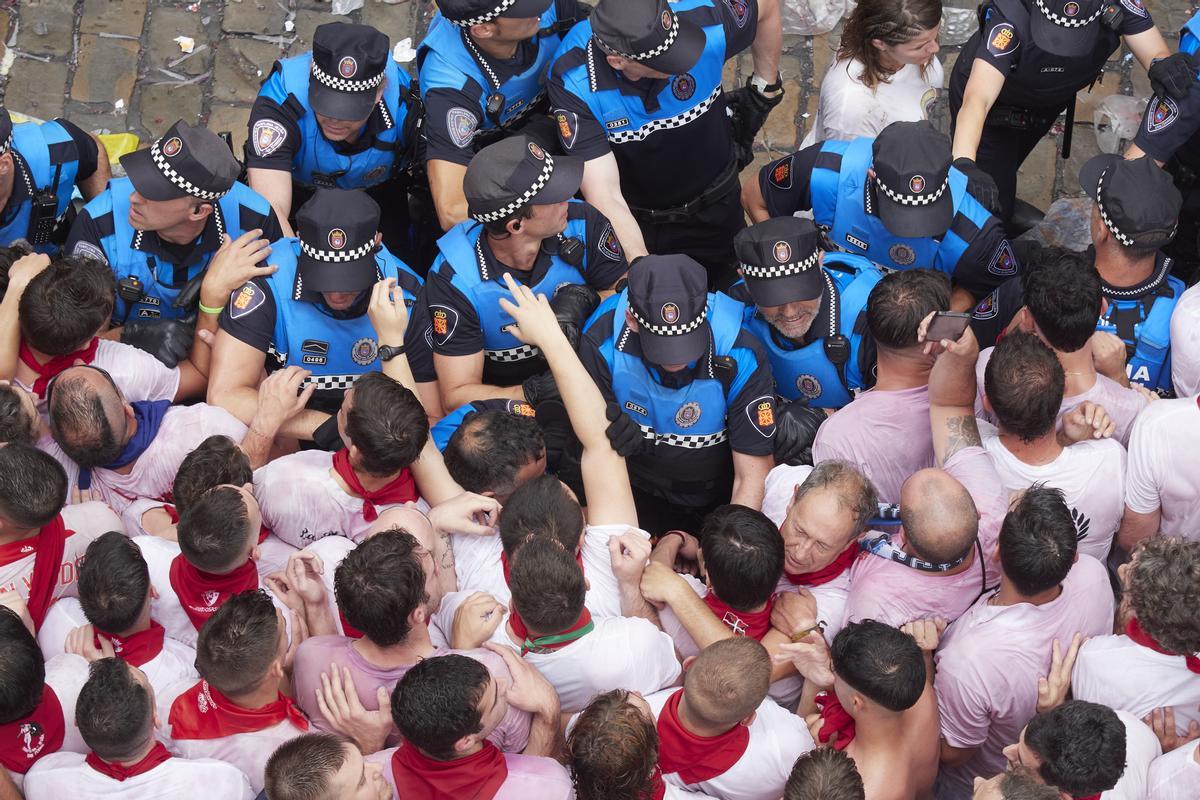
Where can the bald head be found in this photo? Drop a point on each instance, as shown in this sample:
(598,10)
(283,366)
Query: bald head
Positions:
(88,416)
(939,516)
(727,681)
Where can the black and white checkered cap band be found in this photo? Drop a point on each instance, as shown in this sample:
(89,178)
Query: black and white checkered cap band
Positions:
(486,16)
(658,50)
(337,255)
(781,270)
(670,330)
(174,177)
(539,183)
(912,199)
(341,84)
(1068,22)
(4,148)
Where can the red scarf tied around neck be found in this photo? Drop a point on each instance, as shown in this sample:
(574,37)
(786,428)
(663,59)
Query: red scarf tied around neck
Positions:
(477,777)
(29,738)
(836,722)
(204,713)
(202,593)
(826,574)
(118,772)
(696,758)
(401,490)
(47,372)
(1133,629)
(137,648)
(48,546)
(752,624)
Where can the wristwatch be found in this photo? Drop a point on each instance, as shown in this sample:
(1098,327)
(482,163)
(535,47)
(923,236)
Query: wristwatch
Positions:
(387,352)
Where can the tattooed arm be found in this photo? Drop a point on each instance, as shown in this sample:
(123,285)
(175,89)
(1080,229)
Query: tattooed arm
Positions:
(952,394)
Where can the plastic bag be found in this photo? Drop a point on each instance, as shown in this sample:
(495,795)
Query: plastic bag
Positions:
(343,7)
(813,17)
(1116,119)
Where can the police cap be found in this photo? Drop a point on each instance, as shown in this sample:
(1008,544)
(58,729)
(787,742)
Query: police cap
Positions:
(514,172)
(1066,27)
(337,229)
(780,260)
(348,63)
(186,161)
(668,297)
(912,175)
(1137,200)
(465,13)
(649,32)
(6,130)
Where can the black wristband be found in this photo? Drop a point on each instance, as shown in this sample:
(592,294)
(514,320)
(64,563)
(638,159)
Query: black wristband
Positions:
(387,352)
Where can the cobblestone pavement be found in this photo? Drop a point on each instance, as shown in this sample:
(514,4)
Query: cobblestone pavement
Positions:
(115,65)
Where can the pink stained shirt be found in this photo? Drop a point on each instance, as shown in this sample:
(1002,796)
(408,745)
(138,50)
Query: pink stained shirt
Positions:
(529,777)
(990,659)
(87,522)
(1164,466)
(318,654)
(139,375)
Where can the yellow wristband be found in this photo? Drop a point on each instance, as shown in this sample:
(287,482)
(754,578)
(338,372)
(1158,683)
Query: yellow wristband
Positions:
(208,310)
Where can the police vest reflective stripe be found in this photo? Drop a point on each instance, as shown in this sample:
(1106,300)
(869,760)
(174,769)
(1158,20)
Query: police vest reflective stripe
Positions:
(156,278)
(445,63)
(839,198)
(49,152)
(460,248)
(623,116)
(316,161)
(336,351)
(806,372)
(1150,362)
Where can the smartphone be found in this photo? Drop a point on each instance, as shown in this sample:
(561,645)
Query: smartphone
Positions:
(947,325)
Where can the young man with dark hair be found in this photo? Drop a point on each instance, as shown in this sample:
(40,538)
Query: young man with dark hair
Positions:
(117,720)
(883,431)
(236,712)
(323,766)
(446,708)
(1023,383)
(37,699)
(494,452)
(115,597)
(824,774)
(42,538)
(987,676)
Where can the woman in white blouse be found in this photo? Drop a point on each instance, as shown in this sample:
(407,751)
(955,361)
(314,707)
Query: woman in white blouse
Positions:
(886,71)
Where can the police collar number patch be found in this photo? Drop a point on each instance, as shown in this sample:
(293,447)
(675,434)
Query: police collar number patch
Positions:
(267,136)
(1161,114)
(608,245)
(568,127)
(740,11)
(1003,261)
(1002,39)
(246,300)
(444,320)
(761,413)
(780,175)
(461,125)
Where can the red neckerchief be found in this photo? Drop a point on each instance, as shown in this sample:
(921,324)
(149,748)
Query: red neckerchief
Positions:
(696,758)
(157,755)
(202,593)
(658,789)
(48,546)
(753,624)
(348,630)
(554,641)
(46,372)
(173,515)
(41,733)
(478,776)
(826,574)
(401,490)
(204,713)
(836,722)
(1133,629)
(138,648)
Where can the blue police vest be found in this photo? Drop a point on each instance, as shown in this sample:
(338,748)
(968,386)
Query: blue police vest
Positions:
(336,351)
(444,62)
(460,249)
(838,206)
(1150,361)
(127,261)
(444,428)
(317,163)
(806,372)
(1189,37)
(624,116)
(55,172)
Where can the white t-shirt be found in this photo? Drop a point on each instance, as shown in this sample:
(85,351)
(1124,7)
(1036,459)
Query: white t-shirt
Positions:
(85,522)
(1119,673)
(1142,748)
(65,775)
(1086,472)
(1175,775)
(777,738)
(848,109)
(138,374)
(1164,465)
(1185,344)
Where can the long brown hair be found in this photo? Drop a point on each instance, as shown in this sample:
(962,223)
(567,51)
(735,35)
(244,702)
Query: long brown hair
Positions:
(891,22)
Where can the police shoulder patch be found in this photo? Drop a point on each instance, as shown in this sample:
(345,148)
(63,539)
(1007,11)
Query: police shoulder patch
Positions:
(89,251)
(461,125)
(761,413)
(1136,7)
(568,127)
(246,300)
(780,175)
(1002,39)
(988,307)
(740,11)
(443,320)
(608,245)
(1161,113)
(1003,261)
(266,137)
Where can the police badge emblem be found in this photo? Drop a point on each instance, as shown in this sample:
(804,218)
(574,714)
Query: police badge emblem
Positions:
(337,238)
(364,351)
(172,146)
(902,254)
(688,414)
(670,313)
(347,67)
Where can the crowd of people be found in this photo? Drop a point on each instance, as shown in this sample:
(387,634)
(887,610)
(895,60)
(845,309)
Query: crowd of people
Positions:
(479,434)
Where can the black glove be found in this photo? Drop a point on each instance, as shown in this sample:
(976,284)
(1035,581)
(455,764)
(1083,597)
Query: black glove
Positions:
(748,110)
(540,387)
(327,437)
(1173,75)
(981,185)
(572,304)
(624,433)
(168,340)
(795,429)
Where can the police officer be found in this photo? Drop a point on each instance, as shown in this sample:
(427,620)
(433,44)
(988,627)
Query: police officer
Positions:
(312,313)
(1134,216)
(895,199)
(338,116)
(689,391)
(482,69)
(159,228)
(40,164)
(636,92)
(1025,65)
(523,222)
